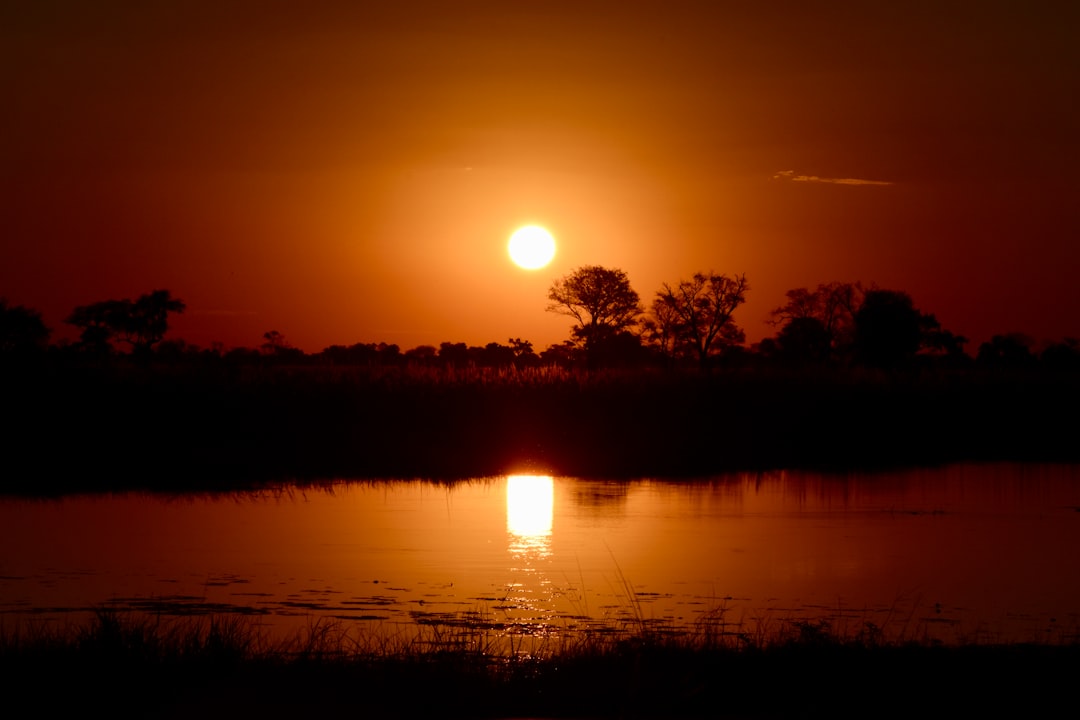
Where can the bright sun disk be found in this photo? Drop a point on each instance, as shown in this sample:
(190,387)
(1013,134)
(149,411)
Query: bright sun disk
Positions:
(531,247)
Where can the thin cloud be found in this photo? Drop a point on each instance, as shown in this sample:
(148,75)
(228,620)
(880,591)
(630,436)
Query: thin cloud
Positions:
(791,176)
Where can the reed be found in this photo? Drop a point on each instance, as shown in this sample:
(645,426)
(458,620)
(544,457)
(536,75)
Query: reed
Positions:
(141,666)
(256,426)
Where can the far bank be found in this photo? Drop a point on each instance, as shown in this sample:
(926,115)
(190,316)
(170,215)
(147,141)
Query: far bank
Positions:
(86,429)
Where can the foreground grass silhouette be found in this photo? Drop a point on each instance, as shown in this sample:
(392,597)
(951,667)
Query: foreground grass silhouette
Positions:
(147,667)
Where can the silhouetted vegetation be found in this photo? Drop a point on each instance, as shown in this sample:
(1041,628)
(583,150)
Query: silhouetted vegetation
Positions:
(222,421)
(1011,351)
(23,334)
(694,317)
(140,324)
(845,324)
(152,668)
(854,378)
(602,302)
(819,325)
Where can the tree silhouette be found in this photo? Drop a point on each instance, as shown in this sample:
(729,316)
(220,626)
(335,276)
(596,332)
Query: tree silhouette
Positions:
(22,330)
(938,342)
(98,322)
(276,349)
(1062,356)
(1009,351)
(456,354)
(874,327)
(563,354)
(421,355)
(832,306)
(804,341)
(273,343)
(149,318)
(140,324)
(888,328)
(659,329)
(524,355)
(600,300)
(698,312)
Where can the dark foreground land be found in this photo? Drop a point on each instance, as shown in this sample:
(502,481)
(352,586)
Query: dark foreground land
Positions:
(106,428)
(101,429)
(218,669)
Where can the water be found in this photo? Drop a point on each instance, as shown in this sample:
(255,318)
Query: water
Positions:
(957,554)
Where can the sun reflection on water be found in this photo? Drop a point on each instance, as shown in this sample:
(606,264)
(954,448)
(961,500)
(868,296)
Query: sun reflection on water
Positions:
(530,507)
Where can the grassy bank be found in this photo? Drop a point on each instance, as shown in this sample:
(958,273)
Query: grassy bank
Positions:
(89,429)
(148,667)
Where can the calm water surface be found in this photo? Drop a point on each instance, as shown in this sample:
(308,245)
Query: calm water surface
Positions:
(962,553)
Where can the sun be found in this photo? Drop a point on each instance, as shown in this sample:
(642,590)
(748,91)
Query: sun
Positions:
(531,247)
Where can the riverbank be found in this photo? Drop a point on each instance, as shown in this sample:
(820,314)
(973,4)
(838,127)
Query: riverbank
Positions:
(146,667)
(94,429)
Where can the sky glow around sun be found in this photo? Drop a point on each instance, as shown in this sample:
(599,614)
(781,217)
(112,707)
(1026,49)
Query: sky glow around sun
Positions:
(352,176)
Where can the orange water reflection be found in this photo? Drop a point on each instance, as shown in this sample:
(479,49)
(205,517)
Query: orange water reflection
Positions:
(952,553)
(530,511)
(527,606)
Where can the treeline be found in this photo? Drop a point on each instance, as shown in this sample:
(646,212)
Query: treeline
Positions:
(853,378)
(690,324)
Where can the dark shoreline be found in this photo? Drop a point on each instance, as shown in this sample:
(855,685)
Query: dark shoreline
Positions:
(86,430)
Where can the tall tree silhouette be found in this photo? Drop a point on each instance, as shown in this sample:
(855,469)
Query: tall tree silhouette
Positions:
(699,312)
(602,302)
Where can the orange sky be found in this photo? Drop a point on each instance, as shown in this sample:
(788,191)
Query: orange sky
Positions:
(350,172)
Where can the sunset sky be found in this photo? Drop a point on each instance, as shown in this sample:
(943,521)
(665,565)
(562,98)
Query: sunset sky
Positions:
(350,171)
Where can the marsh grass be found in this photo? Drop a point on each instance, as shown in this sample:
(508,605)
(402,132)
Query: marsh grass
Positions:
(255,425)
(144,666)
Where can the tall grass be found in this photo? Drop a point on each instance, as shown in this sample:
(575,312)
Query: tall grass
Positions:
(141,666)
(205,430)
